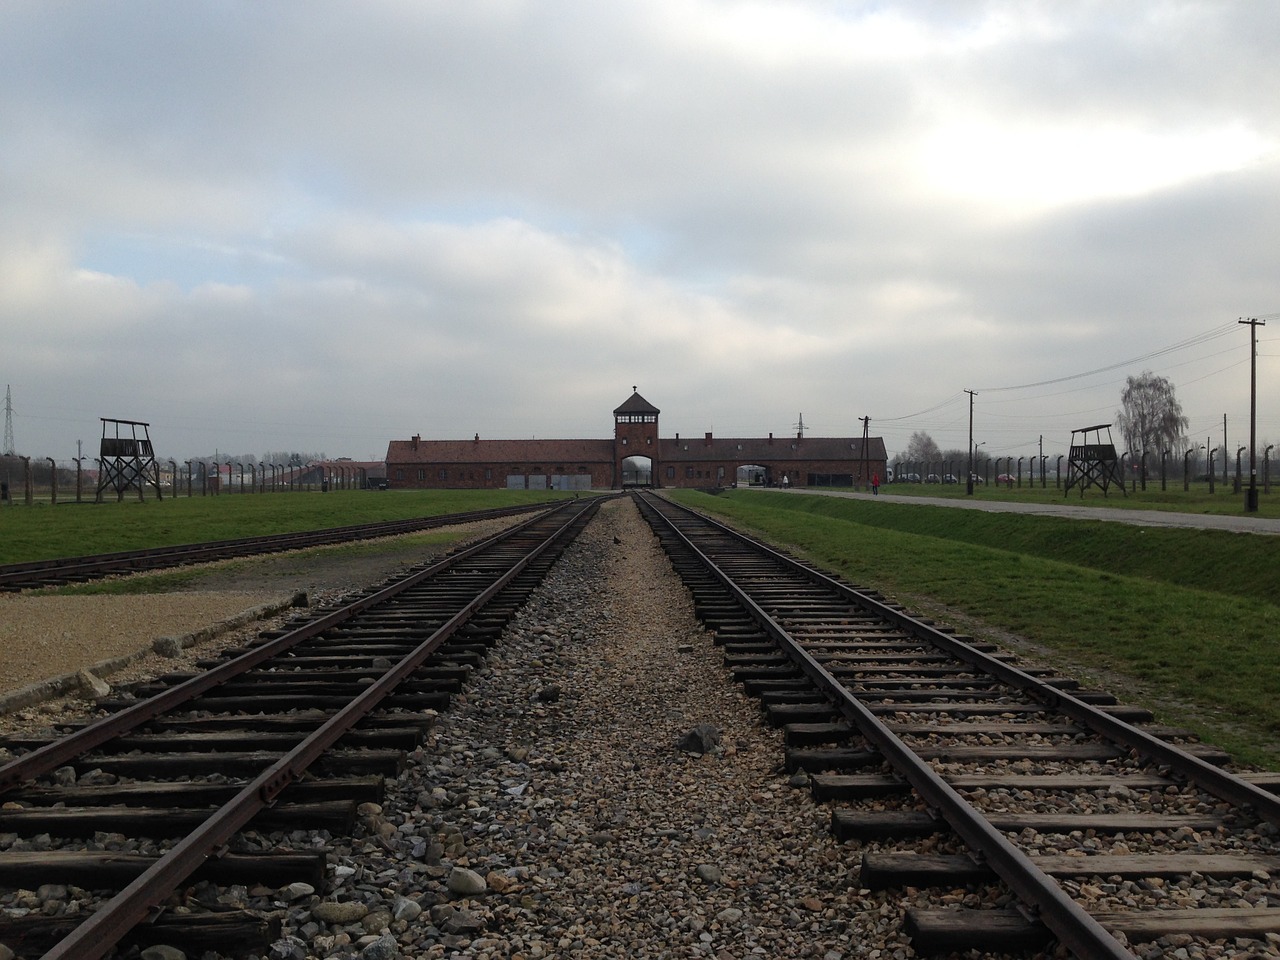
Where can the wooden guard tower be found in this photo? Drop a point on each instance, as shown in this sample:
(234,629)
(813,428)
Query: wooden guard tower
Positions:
(1093,461)
(127,461)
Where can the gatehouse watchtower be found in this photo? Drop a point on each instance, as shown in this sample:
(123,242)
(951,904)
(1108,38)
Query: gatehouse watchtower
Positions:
(635,433)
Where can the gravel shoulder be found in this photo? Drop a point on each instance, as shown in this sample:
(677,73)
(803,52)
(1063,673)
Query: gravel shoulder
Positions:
(45,636)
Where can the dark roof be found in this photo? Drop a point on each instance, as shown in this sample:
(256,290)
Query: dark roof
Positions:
(371,468)
(739,449)
(636,404)
(500,451)
(749,450)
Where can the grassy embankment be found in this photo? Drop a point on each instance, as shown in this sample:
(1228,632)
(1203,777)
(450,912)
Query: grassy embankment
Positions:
(1186,622)
(1224,499)
(41,532)
(73,530)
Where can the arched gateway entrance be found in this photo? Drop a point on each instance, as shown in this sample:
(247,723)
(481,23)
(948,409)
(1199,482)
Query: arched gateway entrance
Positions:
(637,472)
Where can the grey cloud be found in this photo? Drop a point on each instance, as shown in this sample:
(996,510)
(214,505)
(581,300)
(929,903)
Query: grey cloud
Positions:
(392,218)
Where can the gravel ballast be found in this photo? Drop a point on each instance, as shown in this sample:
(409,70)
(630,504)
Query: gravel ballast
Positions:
(554,814)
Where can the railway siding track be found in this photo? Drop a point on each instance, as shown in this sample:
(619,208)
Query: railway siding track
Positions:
(66,570)
(293,732)
(956,768)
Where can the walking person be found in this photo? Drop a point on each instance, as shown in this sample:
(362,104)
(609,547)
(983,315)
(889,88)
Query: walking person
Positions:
(875,484)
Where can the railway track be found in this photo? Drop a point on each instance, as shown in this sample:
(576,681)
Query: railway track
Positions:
(1072,819)
(59,572)
(292,733)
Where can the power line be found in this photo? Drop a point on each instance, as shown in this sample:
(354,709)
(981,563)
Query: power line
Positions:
(1213,334)
(1095,386)
(937,406)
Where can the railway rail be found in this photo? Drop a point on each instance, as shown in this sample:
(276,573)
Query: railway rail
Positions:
(958,768)
(58,572)
(295,730)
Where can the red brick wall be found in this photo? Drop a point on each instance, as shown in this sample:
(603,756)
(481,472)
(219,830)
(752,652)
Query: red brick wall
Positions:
(487,476)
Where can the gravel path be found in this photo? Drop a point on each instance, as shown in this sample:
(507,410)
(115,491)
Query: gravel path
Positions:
(42,636)
(1247,523)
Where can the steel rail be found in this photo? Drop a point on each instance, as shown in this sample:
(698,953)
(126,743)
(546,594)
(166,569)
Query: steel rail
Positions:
(95,937)
(13,575)
(1068,921)
(1214,780)
(49,757)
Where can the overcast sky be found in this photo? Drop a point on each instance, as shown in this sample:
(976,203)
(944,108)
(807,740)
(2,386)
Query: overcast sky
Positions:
(323,226)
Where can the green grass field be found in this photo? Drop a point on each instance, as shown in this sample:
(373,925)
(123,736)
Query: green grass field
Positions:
(1183,621)
(42,532)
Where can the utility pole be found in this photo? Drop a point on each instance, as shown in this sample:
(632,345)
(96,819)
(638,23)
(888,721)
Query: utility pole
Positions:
(8,450)
(1251,495)
(1225,477)
(969,473)
(866,433)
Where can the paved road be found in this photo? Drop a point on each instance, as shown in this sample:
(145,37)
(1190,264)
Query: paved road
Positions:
(1142,518)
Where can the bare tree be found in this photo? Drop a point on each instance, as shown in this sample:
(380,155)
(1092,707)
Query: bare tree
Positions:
(1150,418)
(922,447)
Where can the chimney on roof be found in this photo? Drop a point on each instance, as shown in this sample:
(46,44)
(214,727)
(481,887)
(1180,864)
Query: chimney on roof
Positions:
(707,441)
(416,438)
(477,440)
(771,436)
(677,436)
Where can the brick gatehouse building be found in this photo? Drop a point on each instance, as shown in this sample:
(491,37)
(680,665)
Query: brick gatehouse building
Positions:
(635,456)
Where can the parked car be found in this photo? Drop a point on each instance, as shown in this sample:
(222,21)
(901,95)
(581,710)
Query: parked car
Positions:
(933,478)
(950,478)
(977,478)
(1004,478)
